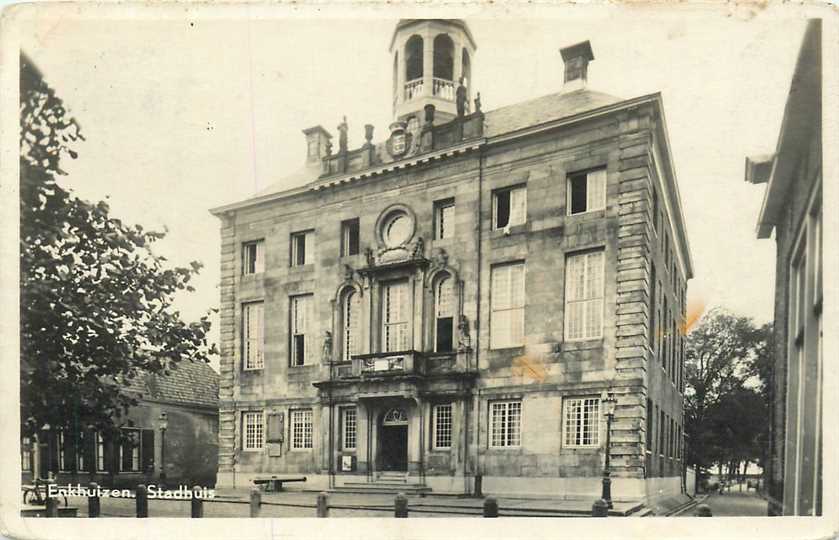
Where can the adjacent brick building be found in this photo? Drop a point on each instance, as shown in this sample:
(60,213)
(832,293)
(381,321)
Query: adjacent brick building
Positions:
(452,302)
(792,209)
(188,400)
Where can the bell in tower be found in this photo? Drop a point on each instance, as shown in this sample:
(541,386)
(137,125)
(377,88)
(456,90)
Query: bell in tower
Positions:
(430,59)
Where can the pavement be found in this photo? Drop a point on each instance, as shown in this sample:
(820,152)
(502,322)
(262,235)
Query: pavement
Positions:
(736,503)
(302,504)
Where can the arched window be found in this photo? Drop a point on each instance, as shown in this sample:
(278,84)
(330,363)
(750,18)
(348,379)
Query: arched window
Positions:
(351,319)
(466,70)
(443,57)
(444,311)
(413,58)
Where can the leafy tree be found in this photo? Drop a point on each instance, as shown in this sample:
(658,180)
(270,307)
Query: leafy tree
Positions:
(722,413)
(96,302)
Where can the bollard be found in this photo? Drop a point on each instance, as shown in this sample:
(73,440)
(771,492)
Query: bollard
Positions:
(490,507)
(323,504)
(197,507)
(400,506)
(93,506)
(256,501)
(52,507)
(703,510)
(600,508)
(142,496)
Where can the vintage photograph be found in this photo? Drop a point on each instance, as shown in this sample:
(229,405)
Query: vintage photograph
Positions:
(275,265)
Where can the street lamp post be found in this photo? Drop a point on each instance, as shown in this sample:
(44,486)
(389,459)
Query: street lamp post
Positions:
(608,401)
(163,423)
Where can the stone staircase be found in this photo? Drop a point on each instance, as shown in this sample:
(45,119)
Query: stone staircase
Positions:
(385,482)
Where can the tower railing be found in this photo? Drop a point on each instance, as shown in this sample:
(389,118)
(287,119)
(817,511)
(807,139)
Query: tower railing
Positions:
(444,88)
(413,89)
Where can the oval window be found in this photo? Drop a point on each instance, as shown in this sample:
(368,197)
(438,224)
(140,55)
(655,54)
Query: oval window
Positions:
(398,230)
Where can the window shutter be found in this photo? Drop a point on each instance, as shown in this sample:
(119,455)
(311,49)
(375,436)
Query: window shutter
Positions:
(309,254)
(259,265)
(147,450)
(596,190)
(518,206)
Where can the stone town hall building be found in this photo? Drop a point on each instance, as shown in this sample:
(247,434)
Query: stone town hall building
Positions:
(453,302)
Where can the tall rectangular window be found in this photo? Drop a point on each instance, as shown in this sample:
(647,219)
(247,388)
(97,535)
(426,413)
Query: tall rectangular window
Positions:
(443,426)
(301,429)
(509,207)
(507,305)
(444,300)
(505,423)
(300,317)
(649,425)
(584,295)
(655,210)
(662,428)
(586,191)
(253,331)
(129,450)
(582,422)
(301,248)
(395,316)
(253,257)
(349,428)
(349,237)
(100,452)
(25,454)
(253,430)
(444,219)
(652,312)
(351,320)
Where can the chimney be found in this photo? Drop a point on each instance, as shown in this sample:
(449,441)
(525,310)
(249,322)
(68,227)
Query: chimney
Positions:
(317,144)
(576,59)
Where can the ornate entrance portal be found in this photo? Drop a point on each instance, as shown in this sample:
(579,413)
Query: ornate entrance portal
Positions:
(393,441)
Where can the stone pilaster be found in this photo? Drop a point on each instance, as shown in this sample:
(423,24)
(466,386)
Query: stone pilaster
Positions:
(227,347)
(632,302)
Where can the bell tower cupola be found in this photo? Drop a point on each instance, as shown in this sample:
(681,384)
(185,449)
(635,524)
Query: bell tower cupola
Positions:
(430,59)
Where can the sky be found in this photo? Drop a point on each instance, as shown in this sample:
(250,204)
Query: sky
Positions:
(182,114)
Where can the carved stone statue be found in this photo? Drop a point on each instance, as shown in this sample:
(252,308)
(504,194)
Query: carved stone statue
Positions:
(368,254)
(442,257)
(348,272)
(478,103)
(342,136)
(419,248)
(460,99)
(464,340)
(327,346)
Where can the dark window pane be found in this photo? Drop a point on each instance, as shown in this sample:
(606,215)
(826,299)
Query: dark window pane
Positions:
(147,450)
(502,209)
(352,248)
(444,334)
(301,249)
(299,349)
(578,193)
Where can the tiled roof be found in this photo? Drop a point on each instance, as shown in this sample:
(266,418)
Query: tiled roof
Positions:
(543,109)
(496,122)
(188,382)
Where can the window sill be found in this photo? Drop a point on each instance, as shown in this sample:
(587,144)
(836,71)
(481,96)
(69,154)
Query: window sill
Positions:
(514,229)
(300,450)
(511,348)
(252,450)
(441,450)
(581,344)
(504,448)
(583,449)
(253,370)
(593,214)
(301,268)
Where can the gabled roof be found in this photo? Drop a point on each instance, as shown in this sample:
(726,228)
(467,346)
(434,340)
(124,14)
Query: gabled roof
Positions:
(189,382)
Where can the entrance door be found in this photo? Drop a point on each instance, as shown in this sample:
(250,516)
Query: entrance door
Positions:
(393,441)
